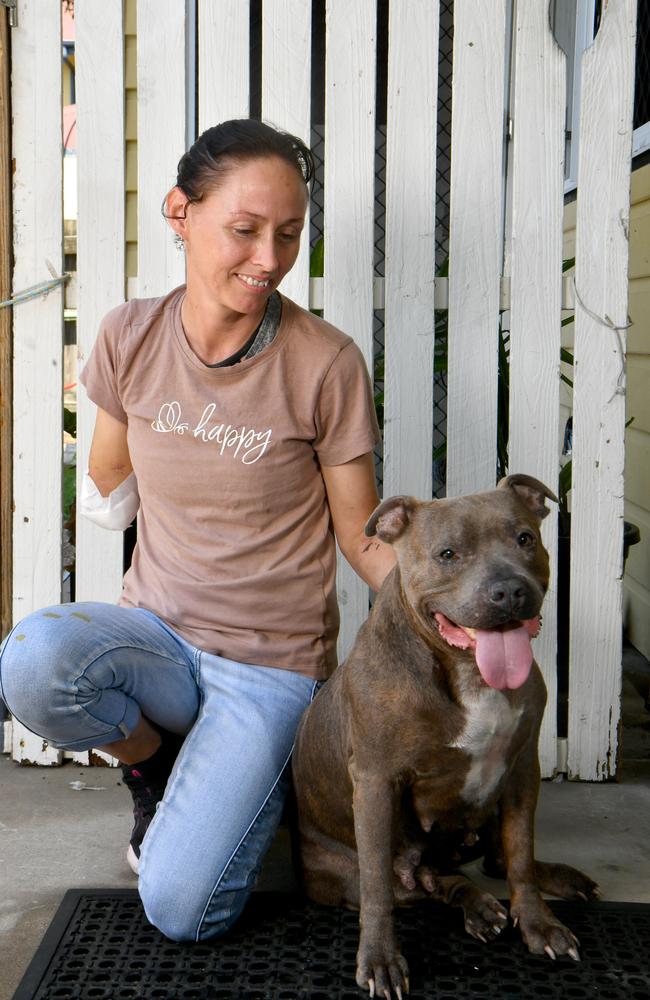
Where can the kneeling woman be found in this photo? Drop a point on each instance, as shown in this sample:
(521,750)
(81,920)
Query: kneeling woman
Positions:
(241,429)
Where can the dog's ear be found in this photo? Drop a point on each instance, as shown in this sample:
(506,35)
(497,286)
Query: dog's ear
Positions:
(390,519)
(530,491)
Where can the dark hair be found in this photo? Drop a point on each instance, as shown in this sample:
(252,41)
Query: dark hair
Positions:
(237,141)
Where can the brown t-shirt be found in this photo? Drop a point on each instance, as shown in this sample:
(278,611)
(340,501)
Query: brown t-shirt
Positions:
(235,547)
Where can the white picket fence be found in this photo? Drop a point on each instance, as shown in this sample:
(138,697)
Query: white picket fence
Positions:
(505,249)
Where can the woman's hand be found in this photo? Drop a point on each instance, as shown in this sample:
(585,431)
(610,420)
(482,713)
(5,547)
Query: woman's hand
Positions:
(352,496)
(109,462)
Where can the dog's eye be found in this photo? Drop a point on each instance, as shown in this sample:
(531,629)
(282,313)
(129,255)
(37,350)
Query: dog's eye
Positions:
(525,539)
(447,554)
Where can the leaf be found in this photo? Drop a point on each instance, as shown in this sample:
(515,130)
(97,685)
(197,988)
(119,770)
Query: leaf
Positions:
(69,422)
(69,489)
(565,482)
(317,259)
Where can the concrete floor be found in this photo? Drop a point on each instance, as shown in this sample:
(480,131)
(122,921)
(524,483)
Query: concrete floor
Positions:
(53,837)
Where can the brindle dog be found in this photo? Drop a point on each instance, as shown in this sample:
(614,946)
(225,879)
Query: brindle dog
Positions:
(425,739)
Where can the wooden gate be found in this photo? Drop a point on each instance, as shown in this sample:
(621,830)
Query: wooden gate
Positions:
(505,253)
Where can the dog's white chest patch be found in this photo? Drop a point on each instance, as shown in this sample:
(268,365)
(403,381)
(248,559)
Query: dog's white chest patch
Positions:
(490,725)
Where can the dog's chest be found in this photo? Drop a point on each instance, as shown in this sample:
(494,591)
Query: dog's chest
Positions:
(486,739)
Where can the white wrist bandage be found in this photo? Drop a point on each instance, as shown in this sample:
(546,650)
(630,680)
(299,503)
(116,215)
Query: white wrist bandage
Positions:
(117,510)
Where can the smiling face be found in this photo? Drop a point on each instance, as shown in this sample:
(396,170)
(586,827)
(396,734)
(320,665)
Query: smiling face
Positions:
(474,572)
(243,236)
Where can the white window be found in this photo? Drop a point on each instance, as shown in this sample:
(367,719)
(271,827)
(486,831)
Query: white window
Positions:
(575,26)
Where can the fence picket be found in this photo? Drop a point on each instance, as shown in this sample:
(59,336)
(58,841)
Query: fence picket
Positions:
(165,33)
(349,184)
(100,237)
(286,100)
(161,138)
(38,324)
(410,247)
(535,297)
(475,254)
(224,80)
(599,401)
(100,232)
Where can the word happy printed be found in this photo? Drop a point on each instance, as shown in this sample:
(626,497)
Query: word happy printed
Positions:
(245,443)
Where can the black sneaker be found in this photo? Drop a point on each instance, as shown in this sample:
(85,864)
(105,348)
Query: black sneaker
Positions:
(146,796)
(147,782)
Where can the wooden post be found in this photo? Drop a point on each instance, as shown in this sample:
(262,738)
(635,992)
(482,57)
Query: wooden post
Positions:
(537,173)
(349,183)
(6,351)
(601,284)
(475,254)
(410,246)
(37,207)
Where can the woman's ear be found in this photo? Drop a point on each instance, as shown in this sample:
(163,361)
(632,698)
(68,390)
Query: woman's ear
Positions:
(175,211)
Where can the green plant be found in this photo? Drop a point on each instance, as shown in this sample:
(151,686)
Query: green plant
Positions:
(317,265)
(69,471)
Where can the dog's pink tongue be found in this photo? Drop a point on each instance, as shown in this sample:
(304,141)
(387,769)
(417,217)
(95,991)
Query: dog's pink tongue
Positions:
(504,656)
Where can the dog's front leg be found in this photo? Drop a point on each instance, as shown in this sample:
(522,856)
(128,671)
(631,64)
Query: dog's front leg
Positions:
(380,966)
(540,929)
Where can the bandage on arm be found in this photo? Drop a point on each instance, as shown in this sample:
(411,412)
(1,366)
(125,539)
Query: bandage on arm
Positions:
(117,510)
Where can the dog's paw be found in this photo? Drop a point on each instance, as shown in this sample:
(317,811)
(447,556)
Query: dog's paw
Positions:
(544,934)
(565,882)
(384,973)
(485,917)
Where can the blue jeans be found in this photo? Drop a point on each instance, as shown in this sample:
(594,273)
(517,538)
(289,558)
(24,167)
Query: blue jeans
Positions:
(81,675)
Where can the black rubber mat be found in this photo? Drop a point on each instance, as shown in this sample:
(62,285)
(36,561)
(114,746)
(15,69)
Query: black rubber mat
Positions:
(100,947)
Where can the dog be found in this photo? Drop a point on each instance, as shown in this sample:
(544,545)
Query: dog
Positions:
(424,741)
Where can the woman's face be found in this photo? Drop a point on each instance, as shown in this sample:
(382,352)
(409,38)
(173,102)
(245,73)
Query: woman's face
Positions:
(243,237)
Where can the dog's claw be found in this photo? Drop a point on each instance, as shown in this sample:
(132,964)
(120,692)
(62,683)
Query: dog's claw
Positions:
(549,951)
(399,993)
(573,952)
(371,987)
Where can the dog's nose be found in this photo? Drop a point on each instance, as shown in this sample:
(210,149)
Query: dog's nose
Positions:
(508,595)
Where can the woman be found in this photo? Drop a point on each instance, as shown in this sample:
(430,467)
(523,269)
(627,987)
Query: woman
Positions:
(242,427)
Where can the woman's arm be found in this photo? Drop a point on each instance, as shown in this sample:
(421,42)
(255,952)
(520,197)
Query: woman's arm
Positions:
(109,462)
(352,496)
